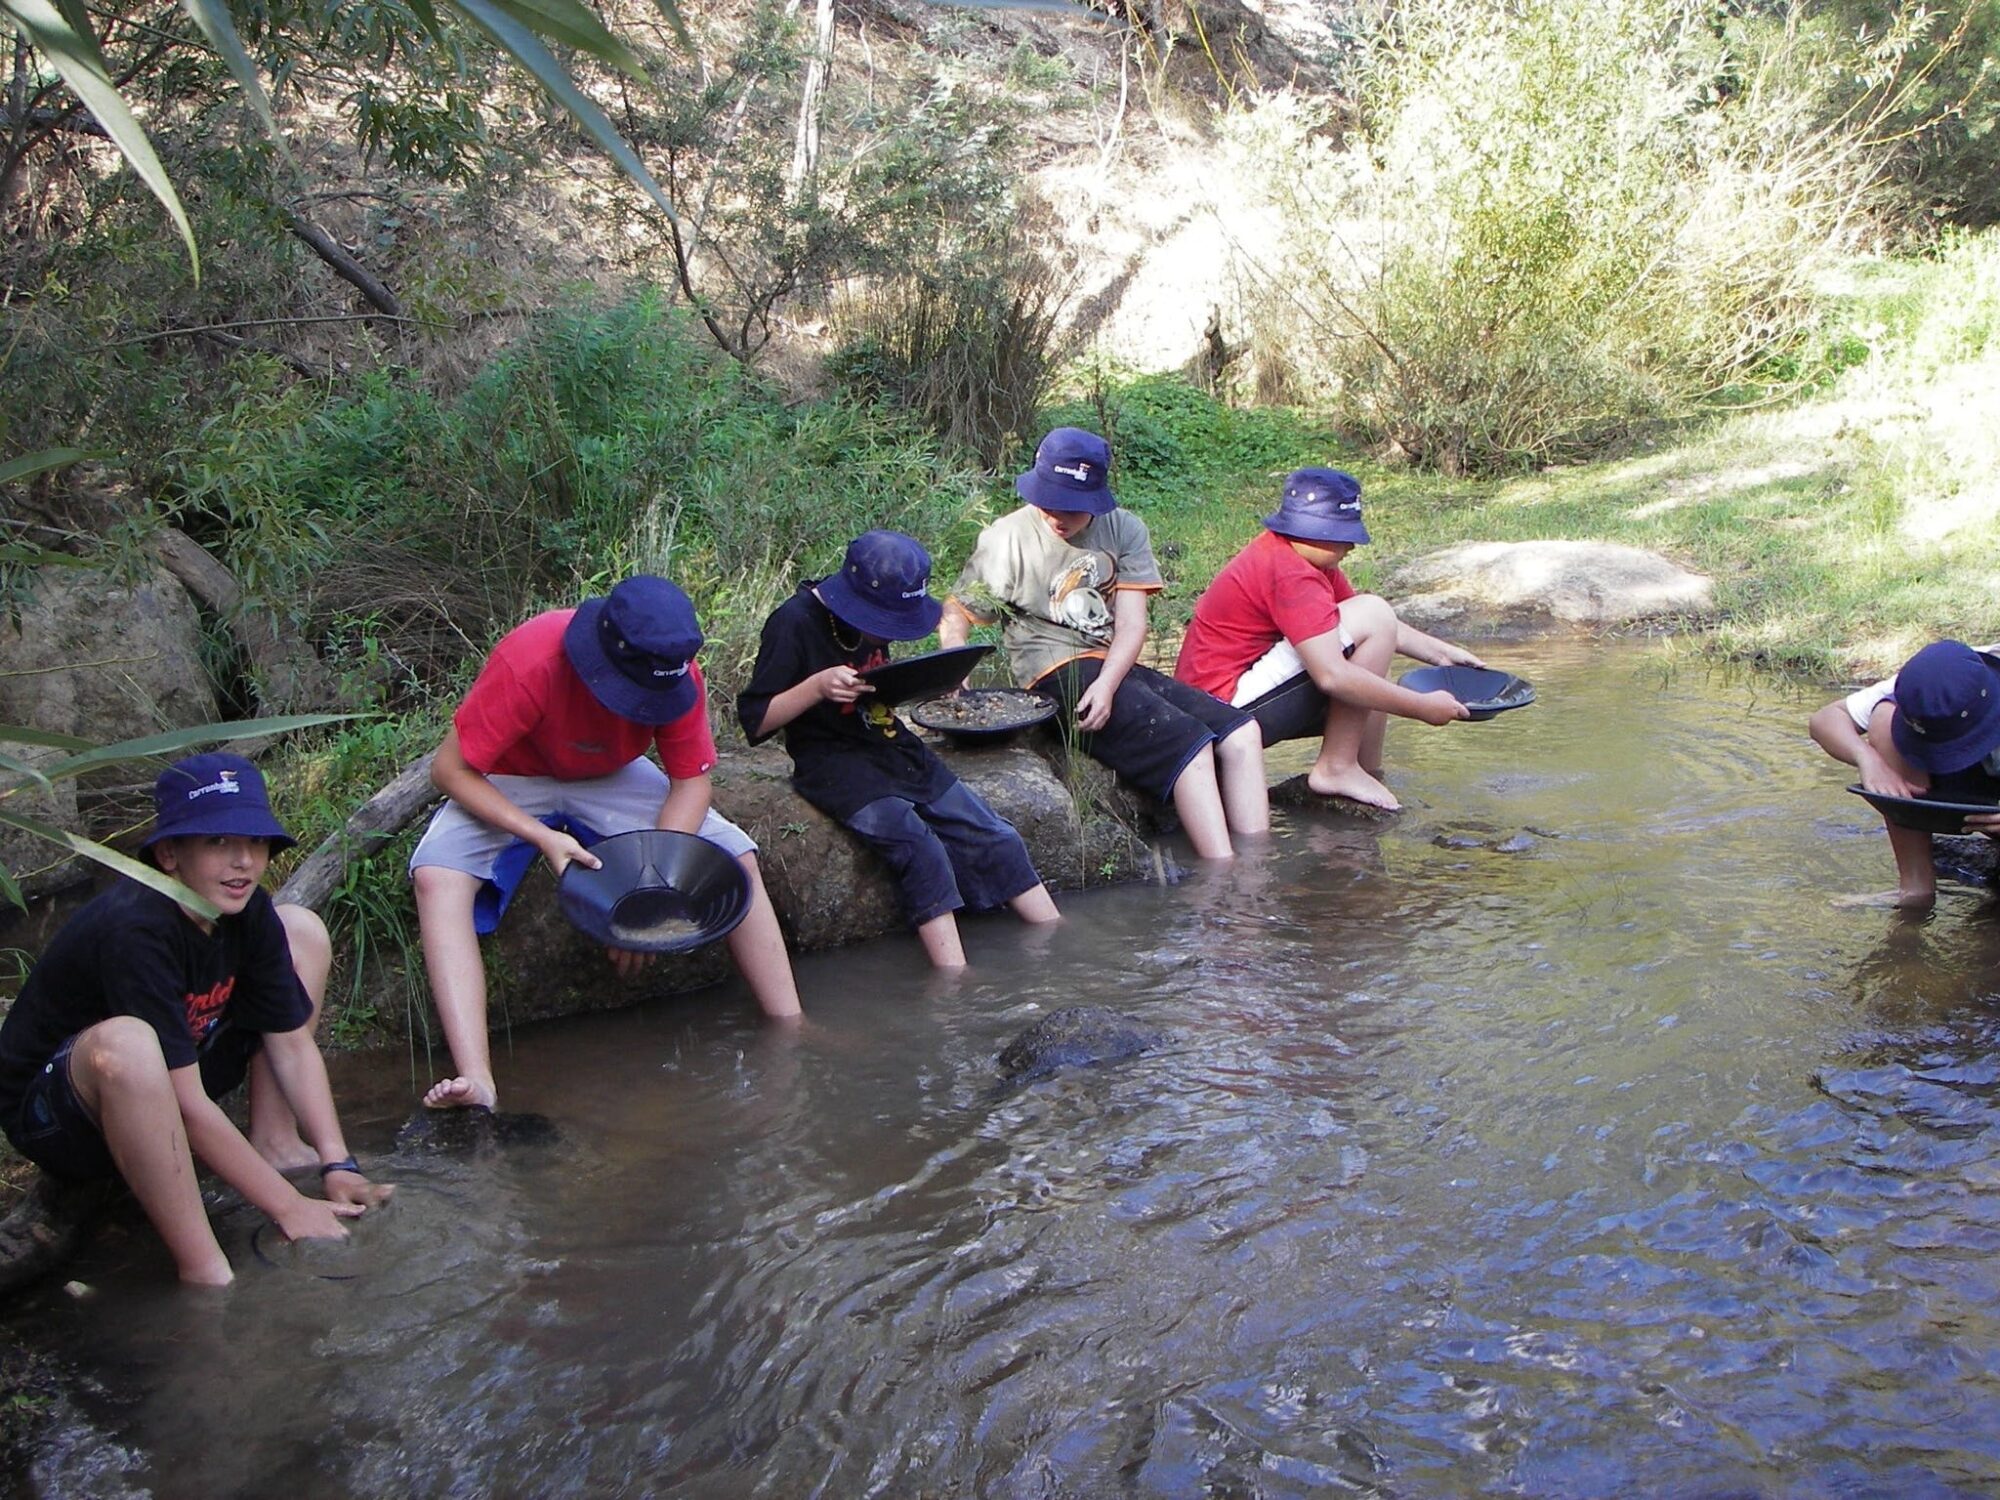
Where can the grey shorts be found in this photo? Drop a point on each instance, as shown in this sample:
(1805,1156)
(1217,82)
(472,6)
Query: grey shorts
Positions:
(628,798)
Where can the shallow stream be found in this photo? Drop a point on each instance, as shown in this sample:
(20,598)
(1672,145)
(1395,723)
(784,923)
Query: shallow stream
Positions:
(1558,1138)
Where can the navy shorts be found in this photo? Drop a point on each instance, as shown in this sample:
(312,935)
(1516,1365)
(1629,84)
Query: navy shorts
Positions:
(1973,784)
(1157,724)
(57,1132)
(1294,710)
(951,853)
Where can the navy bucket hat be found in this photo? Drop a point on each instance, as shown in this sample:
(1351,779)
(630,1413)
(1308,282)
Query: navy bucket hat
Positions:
(1947,708)
(632,649)
(1320,505)
(1072,472)
(211,794)
(882,587)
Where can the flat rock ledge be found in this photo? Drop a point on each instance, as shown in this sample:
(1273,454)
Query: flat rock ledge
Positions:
(1521,588)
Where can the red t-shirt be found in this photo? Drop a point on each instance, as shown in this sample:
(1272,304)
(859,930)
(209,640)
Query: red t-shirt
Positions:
(529,714)
(1266,592)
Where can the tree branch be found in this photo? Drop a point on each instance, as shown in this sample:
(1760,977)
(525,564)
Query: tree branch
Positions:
(345,266)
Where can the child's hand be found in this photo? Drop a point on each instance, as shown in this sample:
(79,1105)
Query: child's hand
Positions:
(628,962)
(559,849)
(1441,708)
(1878,776)
(1458,656)
(353,1188)
(840,684)
(317,1219)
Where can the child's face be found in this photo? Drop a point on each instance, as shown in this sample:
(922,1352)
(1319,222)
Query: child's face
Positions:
(1326,556)
(224,867)
(1067,523)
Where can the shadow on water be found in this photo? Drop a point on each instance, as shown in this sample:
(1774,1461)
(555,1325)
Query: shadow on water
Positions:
(1559,1138)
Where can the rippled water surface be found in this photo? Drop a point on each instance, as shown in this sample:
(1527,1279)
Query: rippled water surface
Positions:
(1559,1138)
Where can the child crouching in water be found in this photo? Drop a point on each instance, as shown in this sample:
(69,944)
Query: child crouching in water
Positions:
(859,764)
(142,1013)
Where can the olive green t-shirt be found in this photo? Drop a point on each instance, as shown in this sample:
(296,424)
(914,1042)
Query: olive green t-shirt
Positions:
(1054,595)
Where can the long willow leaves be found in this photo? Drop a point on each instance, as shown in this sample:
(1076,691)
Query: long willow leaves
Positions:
(61,32)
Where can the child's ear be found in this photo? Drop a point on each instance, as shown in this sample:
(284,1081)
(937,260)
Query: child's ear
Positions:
(166,855)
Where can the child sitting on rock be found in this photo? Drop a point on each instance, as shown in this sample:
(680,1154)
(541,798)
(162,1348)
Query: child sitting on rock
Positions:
(1069,575)
(143,1012)
(547,754)
(1932,730)
(859,764)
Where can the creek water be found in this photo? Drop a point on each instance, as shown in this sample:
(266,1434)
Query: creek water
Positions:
(1559,1137)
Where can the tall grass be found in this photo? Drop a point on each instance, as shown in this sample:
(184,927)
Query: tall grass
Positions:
(607,441)
(1557,222)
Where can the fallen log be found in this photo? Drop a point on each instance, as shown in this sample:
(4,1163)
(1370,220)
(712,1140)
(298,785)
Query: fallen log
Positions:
(374,823)
(290,679)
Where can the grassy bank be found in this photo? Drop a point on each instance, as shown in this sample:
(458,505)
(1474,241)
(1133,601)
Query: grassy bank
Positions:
(1844,529)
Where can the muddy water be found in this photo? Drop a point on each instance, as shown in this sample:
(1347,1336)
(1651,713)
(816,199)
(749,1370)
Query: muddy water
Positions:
(1558,1139)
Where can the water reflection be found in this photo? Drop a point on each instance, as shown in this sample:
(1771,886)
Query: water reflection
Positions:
(1559,1137)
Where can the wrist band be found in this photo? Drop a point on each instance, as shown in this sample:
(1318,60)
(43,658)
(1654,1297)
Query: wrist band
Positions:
(345,1164)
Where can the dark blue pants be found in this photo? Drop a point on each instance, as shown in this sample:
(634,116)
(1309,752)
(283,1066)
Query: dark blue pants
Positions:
(951,853)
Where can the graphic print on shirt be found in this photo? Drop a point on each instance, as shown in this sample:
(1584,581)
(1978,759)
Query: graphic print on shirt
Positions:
(1076,596)
(205,1009)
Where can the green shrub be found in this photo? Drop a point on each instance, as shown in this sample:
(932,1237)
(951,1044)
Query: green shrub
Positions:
(608,440)
(1559,220)
(968,339)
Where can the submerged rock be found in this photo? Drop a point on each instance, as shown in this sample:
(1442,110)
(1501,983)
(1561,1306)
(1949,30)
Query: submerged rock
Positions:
(46,1226)
(1079,1036)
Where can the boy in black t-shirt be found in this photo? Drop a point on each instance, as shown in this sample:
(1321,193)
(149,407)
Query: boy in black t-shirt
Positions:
(141,1013)
(858,763)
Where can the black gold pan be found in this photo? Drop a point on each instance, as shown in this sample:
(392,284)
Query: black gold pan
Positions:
(1481,689)
(1921,813)
(657,892)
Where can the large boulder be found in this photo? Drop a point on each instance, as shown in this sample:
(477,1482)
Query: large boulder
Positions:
(827,889)
(102,657)
(1510,587)
(37,865)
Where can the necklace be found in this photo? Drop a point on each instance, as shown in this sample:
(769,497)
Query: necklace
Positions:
(833,624)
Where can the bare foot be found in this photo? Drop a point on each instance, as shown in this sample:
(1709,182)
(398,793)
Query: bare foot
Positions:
(1356,785)
(1896,900)
(287,1153)
(462,1093)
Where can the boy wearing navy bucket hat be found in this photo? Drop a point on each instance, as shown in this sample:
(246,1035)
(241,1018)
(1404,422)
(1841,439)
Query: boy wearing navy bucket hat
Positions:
(546,755)
(142,1012)
(1932,730)
(858,763)
(1283,635)
(1070,575)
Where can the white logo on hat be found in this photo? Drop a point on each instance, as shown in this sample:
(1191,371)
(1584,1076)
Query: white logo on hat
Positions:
(225,783)
(680,671)
(1081,473)
(913,593)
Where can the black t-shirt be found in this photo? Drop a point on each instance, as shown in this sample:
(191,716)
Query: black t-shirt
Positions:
(131,951)
(844,755)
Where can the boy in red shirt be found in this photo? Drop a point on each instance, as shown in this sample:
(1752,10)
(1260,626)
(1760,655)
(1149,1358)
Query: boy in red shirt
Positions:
(1283,635)
(548,751)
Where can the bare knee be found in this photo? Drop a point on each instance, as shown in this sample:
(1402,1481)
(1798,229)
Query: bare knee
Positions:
(1367,615)
(1242,746)
(442,892)
(120,1055)
(307,936)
